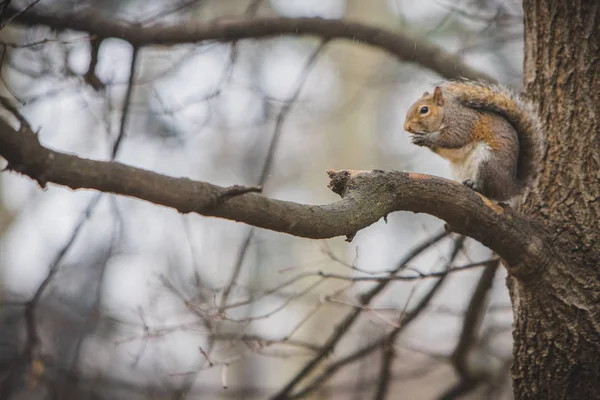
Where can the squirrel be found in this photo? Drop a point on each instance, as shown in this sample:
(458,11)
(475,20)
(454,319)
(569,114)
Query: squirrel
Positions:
(488,133)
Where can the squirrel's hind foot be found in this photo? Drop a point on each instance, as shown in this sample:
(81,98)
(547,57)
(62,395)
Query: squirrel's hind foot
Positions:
(470,183)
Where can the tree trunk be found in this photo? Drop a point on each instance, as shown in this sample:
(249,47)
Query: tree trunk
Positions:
(557,316)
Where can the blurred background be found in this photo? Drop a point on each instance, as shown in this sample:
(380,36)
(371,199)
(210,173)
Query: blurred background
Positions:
(136,301)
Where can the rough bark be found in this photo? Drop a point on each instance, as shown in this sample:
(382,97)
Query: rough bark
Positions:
(557,322)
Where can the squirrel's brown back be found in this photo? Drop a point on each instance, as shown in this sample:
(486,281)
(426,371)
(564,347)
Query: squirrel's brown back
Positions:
(518,112)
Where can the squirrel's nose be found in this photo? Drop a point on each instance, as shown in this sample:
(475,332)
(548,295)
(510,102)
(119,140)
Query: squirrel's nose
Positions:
(406,127)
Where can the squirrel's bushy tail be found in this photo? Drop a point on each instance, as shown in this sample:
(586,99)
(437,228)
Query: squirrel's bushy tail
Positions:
(520,113)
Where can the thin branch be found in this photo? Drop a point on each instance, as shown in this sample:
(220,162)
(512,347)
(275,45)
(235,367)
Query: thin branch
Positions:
(472,320)
(477,15)
(467,341)
(264,293)
(31,307)
(402,45)
(90,76)
(237,268)
(126,103)
(96,385)
(419,275)
(283,305)
(285,110)
(267,342)
(366,308)
(389,352)
(268,164)
(386,341)
(328,252)
(351,318)
(326,275)
(14,13)
(32,339)
(237,190)
(5,5)
(311,313)
(6,103)
(176,8)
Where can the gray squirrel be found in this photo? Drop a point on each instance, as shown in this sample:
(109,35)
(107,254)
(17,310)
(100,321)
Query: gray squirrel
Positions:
(490,136)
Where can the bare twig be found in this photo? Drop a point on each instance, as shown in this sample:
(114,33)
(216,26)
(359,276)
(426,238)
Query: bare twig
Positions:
(16,113)
(32,341)
(351,318)
(499,15)
(16,14)
(285,110)
(30,310)
(13,45)
(126,103)
(267,165)
(238,190)
(236,269)
(472,319)
(327,251)
(268,342)
(5,5)
(169,11)
(205,355)
(388,346)
(469,379)
(366,308)
(387,278)
(419,275)
(90,76)
(387,341)
(282,305)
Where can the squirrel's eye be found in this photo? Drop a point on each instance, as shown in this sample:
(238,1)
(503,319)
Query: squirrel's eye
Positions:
(424,110)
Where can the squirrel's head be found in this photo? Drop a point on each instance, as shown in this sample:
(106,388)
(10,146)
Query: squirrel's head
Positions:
(425,115)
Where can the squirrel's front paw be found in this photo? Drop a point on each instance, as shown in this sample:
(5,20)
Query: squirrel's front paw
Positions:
(470,183)
(420,139)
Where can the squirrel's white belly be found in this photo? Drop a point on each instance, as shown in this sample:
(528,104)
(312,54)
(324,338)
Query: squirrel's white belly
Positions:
(466,160)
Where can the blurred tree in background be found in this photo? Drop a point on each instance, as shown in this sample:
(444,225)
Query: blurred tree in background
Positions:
(106,296)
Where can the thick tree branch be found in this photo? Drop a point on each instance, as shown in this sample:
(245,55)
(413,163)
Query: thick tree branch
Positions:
(366,197)
(402,45)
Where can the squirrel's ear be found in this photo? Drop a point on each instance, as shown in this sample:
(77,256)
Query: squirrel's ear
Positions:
(438,97)
(425,94)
